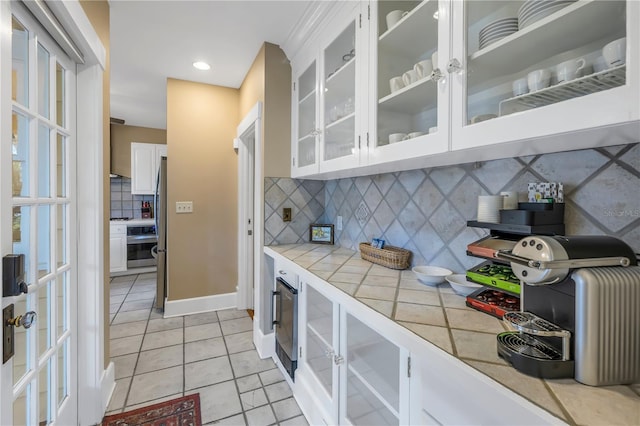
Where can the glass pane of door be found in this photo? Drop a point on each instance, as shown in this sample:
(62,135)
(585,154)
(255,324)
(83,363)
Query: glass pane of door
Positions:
(339,95)
(307,117)
(407,45)
(320,348)
(42,148)
(525,55)
(373,376)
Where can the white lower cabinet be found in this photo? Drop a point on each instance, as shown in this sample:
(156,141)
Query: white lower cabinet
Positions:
(117,247)
(349,374)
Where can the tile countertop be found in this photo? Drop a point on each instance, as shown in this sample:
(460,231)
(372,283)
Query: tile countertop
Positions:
(440,316)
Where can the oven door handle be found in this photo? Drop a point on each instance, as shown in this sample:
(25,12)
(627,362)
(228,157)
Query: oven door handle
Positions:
(141,239)
(279,306)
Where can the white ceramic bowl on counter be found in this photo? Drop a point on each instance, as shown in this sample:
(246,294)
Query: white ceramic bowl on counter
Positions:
(431,275)
(460,284)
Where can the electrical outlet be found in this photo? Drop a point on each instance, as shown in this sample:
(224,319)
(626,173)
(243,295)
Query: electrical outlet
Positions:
(286,214)
(184,206)
(339,223)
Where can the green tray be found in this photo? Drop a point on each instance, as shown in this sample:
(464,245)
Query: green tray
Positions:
(485,279)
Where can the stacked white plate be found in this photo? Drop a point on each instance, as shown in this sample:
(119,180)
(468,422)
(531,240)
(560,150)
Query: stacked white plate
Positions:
(534,10)
(497,30)
(489,208)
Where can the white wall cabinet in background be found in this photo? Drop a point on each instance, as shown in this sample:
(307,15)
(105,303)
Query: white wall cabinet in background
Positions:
(117,247)
(466,109)
(145,160)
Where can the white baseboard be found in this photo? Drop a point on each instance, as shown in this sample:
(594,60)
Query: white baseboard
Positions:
(265,344)
(108,385)
(196,305)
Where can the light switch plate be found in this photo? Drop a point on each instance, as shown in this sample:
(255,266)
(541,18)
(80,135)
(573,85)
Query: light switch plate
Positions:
(184,206)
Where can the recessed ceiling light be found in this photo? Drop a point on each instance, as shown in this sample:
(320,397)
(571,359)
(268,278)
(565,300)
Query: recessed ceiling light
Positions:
(202,65)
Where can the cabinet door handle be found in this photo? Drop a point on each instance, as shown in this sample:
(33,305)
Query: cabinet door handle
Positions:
(329,353)
(337,359)
(454,66)
(436,75)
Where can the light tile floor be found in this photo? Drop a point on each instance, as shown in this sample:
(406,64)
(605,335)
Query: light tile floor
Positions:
(157,359)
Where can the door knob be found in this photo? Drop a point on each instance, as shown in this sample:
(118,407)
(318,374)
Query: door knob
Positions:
(25,320)
(454,66)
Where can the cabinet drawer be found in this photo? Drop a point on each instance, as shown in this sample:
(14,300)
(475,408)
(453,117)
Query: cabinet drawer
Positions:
(118,229)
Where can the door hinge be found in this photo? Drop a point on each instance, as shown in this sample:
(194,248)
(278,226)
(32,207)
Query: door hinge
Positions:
(367,139)
(300,356)
(358,141)
(409,367)
(360,23)
(294,86)
(369,12)
(293,161)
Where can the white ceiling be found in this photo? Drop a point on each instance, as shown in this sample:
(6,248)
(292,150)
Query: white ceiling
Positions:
(152,40)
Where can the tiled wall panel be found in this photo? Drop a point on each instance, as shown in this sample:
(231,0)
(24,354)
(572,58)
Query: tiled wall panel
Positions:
(123,203)
(426,210)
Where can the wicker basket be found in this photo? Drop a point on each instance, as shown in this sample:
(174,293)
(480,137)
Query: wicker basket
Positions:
(389,256)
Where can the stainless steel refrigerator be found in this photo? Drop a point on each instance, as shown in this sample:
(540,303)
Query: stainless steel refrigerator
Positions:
(160,208)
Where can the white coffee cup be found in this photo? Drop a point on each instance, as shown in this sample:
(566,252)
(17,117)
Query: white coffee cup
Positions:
(615,53)
(423,68)
(538,79)
(509,200)
(415,135)
(394,17)
(397,137)
(396,83)
(568,70)
(434,59)
(600,64)
(520,87)
(410,77)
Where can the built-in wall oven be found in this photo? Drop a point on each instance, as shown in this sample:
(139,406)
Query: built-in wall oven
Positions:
(141,240)
(286,321)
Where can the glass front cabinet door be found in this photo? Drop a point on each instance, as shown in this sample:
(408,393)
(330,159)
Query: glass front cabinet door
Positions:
(410,92)
(528,69)
(305,129)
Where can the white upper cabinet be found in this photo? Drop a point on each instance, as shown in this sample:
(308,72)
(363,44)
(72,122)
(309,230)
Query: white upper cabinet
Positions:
(561,42)
(145,160)
(329,112)
(408,108)
(570,91)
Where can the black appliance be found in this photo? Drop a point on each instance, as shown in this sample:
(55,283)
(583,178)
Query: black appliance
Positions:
(286,325)
(579,318)
(160,252)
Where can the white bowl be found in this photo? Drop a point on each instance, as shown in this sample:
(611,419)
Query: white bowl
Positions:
(431,275)
(460,284)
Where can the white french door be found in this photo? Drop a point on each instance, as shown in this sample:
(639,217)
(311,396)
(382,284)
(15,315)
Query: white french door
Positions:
(38,385)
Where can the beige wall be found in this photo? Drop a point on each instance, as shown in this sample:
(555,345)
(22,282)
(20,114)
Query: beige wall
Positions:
(269,81)
(121,138)
(98,13)
(277,113)
(202,167)
(252,88)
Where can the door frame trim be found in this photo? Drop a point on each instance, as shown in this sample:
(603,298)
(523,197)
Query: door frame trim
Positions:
(245,290)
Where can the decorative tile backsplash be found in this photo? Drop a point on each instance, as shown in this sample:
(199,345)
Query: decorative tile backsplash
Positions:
(123,203)
(426,210)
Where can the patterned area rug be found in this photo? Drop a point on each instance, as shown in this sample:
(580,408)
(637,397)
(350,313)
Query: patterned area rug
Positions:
(184,411)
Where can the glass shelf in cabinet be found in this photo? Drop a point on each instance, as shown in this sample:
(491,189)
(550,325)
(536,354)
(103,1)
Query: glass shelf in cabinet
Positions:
(578,24)
(414,98)
(374,386)
(408,35)
(306,97)
(340,121)
(340,71)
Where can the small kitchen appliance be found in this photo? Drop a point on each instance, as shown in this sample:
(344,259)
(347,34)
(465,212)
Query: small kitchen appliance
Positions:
(286,320)
(580,313)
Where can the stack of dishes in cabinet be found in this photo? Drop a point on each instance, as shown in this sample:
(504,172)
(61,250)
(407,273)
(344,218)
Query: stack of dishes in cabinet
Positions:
(534,10)
(497,30)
